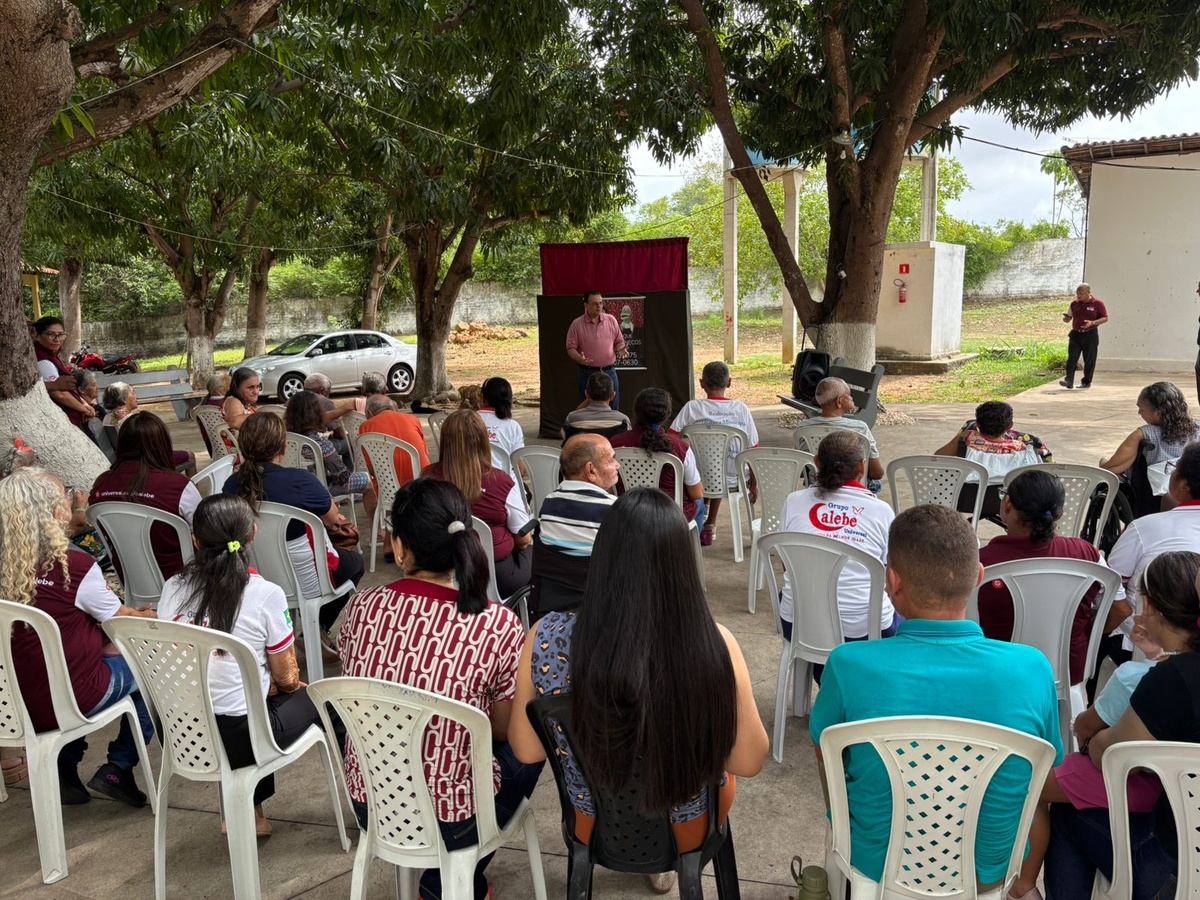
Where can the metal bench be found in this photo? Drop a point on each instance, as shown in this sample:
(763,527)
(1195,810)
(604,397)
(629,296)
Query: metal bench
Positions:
(864,388)
(166,385)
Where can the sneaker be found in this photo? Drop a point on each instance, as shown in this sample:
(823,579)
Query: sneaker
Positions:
(1066,384)
(117,784)
(706,537)
(70,787)
(661,882)
(1083,385)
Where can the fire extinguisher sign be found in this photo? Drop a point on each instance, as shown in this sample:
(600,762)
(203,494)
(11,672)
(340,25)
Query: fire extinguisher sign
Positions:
(903,268)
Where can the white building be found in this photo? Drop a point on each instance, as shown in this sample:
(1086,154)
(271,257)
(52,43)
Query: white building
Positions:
(1142,256)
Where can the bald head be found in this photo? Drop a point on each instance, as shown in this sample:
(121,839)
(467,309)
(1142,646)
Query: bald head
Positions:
(379,403)
(589,457)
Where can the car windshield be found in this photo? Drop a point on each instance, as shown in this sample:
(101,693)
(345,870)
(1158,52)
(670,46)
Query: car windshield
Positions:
(295,345)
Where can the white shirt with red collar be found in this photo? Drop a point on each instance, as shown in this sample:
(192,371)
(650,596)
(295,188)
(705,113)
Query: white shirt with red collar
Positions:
(855,516)
(503,433)
(720,411)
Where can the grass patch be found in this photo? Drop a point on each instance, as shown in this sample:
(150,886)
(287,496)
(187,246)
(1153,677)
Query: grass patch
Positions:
(990,377)
(222,359)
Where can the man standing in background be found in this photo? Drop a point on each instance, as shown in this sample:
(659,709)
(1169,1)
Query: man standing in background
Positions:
(595,343)
(1087,313)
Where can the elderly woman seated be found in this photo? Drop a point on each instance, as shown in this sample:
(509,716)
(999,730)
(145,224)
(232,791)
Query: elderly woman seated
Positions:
(374,384)
(989,439)
(120,399)
(304,417)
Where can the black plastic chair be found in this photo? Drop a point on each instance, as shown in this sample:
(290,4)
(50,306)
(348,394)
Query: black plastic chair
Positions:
(623,839)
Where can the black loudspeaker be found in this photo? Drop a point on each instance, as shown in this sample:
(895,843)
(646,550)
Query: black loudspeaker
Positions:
(811,366)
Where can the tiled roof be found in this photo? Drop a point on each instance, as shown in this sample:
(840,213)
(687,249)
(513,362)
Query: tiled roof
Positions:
(1080,157)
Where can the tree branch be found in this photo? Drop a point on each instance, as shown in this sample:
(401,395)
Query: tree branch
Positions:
(99,47)
(456,20)
(170,255)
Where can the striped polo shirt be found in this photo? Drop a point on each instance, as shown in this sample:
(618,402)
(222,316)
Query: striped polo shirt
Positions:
(571,516)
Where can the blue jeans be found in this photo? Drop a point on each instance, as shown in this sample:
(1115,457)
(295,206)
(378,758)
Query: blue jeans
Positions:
(586,372)
(122,752)
(786,627)
(1081,845)
(517,781)
(699,517)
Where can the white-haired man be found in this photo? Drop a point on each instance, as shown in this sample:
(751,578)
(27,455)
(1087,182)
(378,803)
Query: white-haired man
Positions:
(835,400)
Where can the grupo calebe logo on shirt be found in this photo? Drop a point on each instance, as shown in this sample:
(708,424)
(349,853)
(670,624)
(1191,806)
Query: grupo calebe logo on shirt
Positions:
(834,516)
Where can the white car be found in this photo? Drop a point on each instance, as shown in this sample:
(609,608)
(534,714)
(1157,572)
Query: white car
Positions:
(341,356)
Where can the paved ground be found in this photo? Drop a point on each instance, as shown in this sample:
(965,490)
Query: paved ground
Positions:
(777,815)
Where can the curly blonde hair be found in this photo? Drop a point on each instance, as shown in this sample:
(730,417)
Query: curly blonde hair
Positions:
(33,536)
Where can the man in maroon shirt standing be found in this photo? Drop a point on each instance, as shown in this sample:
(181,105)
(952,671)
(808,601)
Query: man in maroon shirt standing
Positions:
(1087,313)
(595,343)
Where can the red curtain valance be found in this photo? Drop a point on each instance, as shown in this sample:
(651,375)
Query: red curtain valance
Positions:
(617,267)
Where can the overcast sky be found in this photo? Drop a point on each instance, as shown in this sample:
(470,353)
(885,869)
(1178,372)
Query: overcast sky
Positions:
(1006,185)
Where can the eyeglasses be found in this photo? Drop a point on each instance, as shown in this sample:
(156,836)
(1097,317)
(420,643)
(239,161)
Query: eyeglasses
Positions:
(54,335)
(1001,493)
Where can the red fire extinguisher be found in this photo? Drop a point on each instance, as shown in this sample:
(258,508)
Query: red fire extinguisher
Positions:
(903,285)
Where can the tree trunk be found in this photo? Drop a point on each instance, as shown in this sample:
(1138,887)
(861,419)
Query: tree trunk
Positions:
(199,331)
(70,276)
(256,312)
(376,275)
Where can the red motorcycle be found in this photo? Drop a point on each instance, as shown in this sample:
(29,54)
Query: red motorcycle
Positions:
(83,358)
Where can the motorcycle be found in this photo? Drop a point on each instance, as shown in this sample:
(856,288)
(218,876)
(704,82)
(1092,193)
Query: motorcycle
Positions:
(83,358)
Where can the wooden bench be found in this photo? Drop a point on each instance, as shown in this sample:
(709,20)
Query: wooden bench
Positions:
(864,388)
(167,385)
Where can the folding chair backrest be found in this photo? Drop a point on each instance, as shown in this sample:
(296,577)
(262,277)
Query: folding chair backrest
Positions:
(1079,483)
(171,662)
(385,726)
(483,532)
(937,479)
(502,460)
(14,718)
(127,531)
(211,479)
(809,437)
(271,558)
(779,472)
(643,468)
(212,423)
(436,420)
(380,451)
(295,457)
(939,770)
(814,564)
(545,474)
(713,446)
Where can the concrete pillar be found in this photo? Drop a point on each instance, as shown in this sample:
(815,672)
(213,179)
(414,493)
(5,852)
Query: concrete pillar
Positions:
(929,192)
(730,245)
(791,228)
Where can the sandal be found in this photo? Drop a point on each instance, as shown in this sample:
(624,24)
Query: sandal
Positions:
(16,769)
(706,537)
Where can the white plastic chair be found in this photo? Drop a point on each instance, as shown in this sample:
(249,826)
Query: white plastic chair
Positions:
(502,460)
(294,458)
(939,768)
(379,451)
(172,660)
(518,602)
(813,565)
(938,480)
(385,725)
(41,750)
(211,479)
(1046,594)
(351,423)
(436,420)
(1079,482)
(215,428)
(779,472)
(275,564)
(126,530)
(542,466)
(1177,765)
(713,446)
(809,437)
(643,468)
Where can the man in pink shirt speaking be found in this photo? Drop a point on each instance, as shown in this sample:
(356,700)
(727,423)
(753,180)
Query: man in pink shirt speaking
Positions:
(595,343)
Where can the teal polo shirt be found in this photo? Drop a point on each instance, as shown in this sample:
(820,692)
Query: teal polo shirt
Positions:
(937,668)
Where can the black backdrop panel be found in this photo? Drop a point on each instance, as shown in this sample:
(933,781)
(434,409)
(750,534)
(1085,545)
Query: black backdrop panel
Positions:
(667,363)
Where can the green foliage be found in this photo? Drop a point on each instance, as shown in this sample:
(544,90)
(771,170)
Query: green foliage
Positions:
(300,279)
(511,256)
(132,289)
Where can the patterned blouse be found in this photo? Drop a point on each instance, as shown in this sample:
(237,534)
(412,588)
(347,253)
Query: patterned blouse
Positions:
(410,632)
(551,664)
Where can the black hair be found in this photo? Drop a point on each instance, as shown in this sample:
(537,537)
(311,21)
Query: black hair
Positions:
(1169,586)
(498,394)
(144,439)
(1038,498)
(261,438)
(839,455)
(423,515)
(1187,469)
(1174,420)
(43,324)
(216,578)
(994,417)
(599,387)
(303,414)
(715,375)
(652,683)
(651,409)
(587,295)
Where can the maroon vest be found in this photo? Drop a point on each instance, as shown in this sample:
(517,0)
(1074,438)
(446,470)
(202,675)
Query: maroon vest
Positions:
(162,490)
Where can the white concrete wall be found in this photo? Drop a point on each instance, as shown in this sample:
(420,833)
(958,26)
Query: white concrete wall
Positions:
(1143,261)
(1034,270)
(929,324)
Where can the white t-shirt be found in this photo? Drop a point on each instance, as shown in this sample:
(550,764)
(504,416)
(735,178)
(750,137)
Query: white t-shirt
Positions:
(720,411)
(854,516)
(263,622)
(47,370)
(1147,537)
(505,434)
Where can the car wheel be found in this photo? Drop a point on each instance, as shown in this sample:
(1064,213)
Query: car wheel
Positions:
(400,379)
(290,386)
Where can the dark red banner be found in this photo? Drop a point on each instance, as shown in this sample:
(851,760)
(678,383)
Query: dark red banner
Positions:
(617,267)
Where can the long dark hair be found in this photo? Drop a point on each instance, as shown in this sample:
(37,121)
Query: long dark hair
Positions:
(1038,498)
(838,457)
(303,414)
(217,576)
(427,516)
(1174,420)
(261,438)
(144,439)
(1187,469)
(1169,585)
(652,684)
(236,380)
(498,394)
(651,409)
